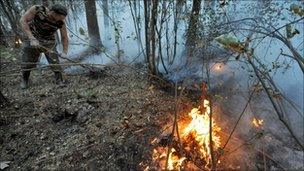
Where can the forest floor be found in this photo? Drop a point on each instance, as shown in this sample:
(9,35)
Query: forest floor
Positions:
(105,122)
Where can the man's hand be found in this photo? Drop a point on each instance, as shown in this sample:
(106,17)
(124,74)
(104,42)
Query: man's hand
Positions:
(34,42)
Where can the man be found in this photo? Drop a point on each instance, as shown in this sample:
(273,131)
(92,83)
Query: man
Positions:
(40,25)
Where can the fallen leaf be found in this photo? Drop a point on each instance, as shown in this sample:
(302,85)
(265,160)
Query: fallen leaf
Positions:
(4,164)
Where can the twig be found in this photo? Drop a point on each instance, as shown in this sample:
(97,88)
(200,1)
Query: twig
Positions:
(277,108)
(175,127)
(237,122)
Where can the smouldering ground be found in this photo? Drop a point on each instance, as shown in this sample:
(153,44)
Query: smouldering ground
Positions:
(104,123)
(108,122)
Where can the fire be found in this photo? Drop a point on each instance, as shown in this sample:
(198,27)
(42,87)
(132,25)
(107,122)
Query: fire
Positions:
(257,122)
(159,156)
(199,130)
(174,161)
(18,41)
(218,67)
(195,139)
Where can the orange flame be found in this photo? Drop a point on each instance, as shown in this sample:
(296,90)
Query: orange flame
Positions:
(218,67)
(18,41)
(174,161)
(199,130)
(196,132)
(257,122)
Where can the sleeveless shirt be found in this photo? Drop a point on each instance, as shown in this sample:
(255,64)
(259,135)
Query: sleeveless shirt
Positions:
(42,28)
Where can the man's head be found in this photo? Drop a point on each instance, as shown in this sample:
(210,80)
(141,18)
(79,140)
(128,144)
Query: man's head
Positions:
(58,12)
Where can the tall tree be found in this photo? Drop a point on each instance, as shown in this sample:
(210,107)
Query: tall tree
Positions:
(147,31)
(2,35)
(12,16)
(193,27)
(150,10)
(105,6)
(153,39)
(92,24)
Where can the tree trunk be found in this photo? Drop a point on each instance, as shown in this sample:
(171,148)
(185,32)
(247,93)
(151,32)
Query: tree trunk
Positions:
(147,32)
(105,6)
(177,13)
(92,24)
(153,41)
(2,37)
(192,32)
(7,10)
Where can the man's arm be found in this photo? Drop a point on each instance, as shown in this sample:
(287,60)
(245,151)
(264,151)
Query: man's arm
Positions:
(25,19)
(64,39)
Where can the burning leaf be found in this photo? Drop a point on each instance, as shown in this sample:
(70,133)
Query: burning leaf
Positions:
(257,122)
(199,130)
(195,139)
(174,161)
(18,41)
(218,67)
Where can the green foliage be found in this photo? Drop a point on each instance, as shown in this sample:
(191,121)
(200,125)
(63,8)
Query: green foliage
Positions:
(276,65)
(291,32)
(81,31)
(296,9)
(230,42)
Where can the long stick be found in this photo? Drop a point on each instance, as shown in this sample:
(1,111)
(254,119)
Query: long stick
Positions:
(237,122)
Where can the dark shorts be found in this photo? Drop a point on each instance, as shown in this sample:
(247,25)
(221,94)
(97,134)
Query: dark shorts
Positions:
(30,56)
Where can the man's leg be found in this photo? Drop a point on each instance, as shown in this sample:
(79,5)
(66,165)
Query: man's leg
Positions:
(53,59)
(29,59)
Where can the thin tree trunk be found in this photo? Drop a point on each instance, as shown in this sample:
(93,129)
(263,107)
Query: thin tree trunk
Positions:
(10,18)
(153,41)
(3,41)
(276,103)
(105,6)
(159,33)
(147,32)
(92,24)
(178,10)
(193,27)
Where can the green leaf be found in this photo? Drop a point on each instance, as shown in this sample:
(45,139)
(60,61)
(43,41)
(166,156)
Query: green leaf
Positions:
(291,32)
(81,31)
(296,9)
(231,43)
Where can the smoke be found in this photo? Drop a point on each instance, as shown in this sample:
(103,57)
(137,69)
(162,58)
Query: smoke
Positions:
(230,83)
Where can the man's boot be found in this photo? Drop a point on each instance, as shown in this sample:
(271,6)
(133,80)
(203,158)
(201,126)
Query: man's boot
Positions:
(59,79)
(25,79)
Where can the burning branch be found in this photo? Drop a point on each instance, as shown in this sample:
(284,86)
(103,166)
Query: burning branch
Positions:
(192,144)
(175,127)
